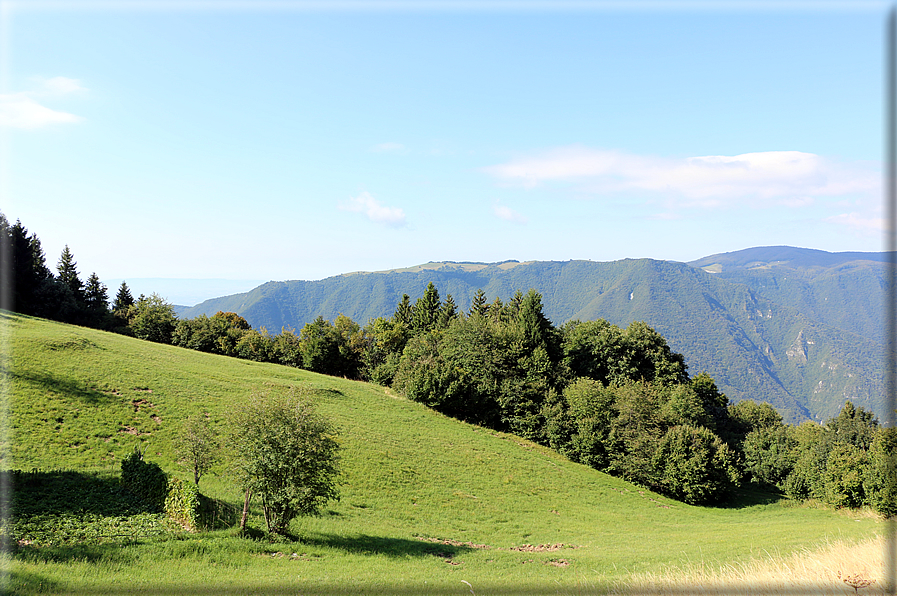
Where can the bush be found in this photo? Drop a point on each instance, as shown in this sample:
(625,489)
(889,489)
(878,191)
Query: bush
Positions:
(144,480)
(694,465)
(881,481)
(182,504)
(844,472)
(769,455)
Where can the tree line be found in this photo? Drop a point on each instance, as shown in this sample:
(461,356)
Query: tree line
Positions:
(618,400)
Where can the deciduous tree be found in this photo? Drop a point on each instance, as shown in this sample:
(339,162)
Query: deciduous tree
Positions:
(287,455)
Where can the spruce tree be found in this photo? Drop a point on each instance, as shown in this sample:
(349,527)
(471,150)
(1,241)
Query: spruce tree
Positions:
(426,310)
(403,311)
(96,301)
(30,276)
(68,273)
(123,301)
(478,305)
(448,312)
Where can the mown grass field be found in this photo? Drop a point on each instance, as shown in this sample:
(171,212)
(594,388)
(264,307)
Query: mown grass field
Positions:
(427,502)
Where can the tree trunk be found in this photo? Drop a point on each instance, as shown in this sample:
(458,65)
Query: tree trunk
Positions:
(267,517)
(245,511)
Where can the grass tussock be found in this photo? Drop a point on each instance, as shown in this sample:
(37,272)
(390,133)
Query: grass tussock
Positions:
(837,568)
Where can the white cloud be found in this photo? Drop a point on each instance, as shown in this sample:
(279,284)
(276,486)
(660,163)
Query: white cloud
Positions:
(365,203)
(508,214)
(60,85)
(20,111)
(388,147)
(790,178)
(859,223)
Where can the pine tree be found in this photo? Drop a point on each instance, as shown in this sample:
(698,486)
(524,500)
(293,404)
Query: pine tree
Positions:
(30,275)
(426,310)
(96,301)
(403,311)
(68,273)
(479,306)
(123,301)
(448,312)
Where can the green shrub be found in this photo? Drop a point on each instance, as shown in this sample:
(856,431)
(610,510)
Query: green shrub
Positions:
(844,472)
(182,504)
(144,480)
(694,465)
(881,481)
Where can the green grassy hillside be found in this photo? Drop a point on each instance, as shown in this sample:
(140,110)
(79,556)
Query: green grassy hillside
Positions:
(427,501)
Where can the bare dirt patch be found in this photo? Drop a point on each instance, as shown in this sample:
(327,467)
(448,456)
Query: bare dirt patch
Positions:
(141,403)
(449,542)
(131,431)
(540,548)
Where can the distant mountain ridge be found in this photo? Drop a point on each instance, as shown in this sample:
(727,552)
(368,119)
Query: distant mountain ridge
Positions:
(799,328)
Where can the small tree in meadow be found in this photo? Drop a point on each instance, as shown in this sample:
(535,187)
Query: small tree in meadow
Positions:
(287,455)
(198,447)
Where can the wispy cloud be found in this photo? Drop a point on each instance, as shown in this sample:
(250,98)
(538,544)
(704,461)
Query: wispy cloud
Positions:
(22,110)
(59,85)
(371,207)
(508,214)
(789,178)
(388,148)
(859,223)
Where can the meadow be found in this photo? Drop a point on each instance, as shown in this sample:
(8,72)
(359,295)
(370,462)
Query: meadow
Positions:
(429,505)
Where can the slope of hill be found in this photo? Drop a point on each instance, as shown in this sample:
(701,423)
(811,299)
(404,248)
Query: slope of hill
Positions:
(424,498)
(845,290)
(804,340)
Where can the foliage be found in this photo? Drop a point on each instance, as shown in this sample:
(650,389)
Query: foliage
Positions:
(152,318)
(604,352)
(590,409)
(693,465)
(198,447)
(287,455)
(853,426)
(845,469)
(255,345)
(182,504)
(218,334)
(145,480)
(843,463)
(769,455)
(880,485)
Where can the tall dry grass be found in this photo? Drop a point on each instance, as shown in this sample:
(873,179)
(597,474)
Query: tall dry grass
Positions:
(837,568)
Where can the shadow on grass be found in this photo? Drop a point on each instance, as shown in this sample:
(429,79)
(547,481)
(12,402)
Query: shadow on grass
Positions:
(750,497)
(80,553)
(363,544)
(25,582)
(62,386)
(69,492)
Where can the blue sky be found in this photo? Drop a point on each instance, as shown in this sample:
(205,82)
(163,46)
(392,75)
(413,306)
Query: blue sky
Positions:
(288,141)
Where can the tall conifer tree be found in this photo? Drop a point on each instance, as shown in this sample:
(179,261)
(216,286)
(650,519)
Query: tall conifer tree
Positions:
(68,273)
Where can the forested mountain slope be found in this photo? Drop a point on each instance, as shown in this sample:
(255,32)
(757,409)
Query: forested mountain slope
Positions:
(843,289)
(797,328)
